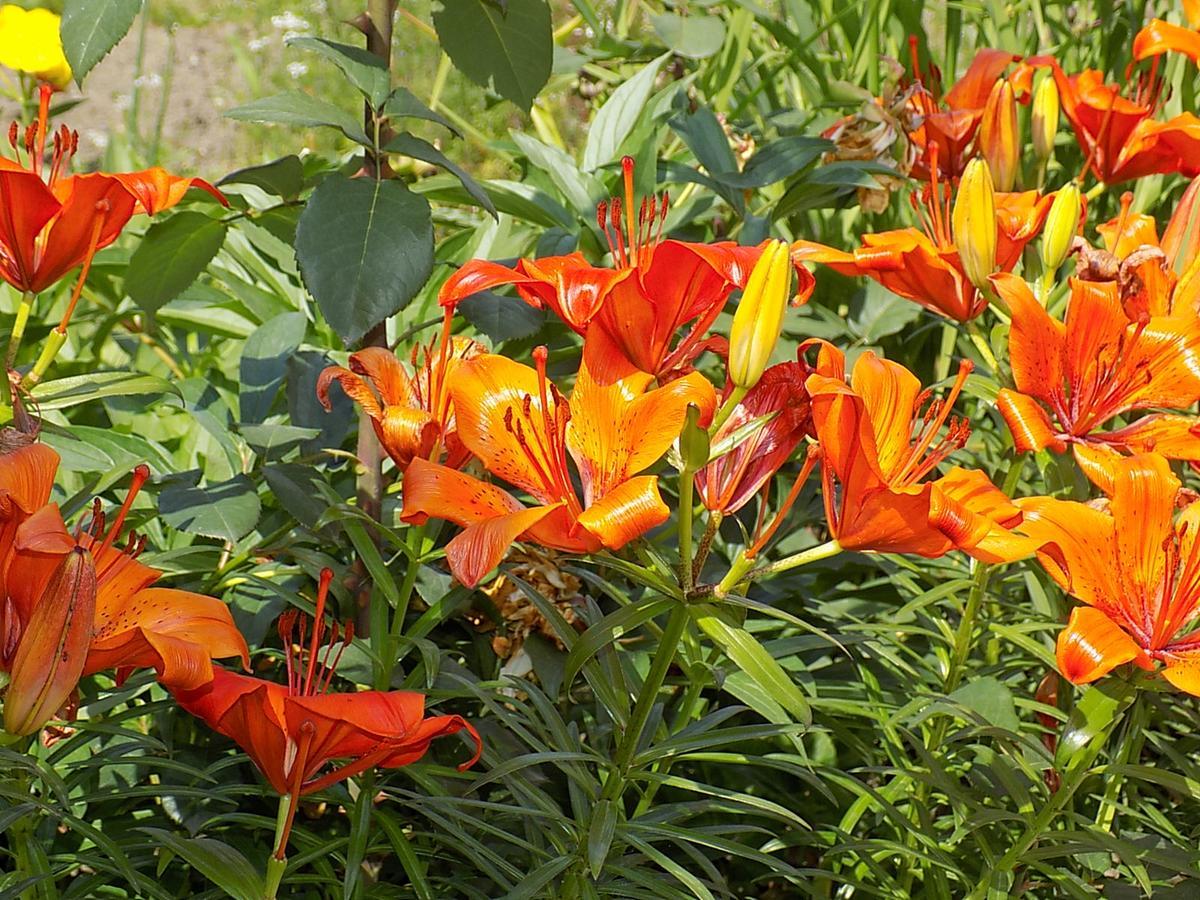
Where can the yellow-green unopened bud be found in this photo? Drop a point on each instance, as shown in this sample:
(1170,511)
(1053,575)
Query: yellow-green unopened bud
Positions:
(1044,119)
(758,321)
(693,441)
(973,222)
(1062,222)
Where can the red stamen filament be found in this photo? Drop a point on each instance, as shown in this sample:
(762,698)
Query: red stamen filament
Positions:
(140,475)
(924,455)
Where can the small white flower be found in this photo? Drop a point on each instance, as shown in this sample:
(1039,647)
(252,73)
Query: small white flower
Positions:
(296,69)
(122,101)
(289,21)
(257,44)
(98,139)
(152,80)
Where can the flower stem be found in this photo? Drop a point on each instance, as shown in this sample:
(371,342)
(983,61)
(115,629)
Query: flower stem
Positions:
(735,397)
(980,341)
(687,482)
(743,568)
(1130,748)
(277,861)
(18,332)
(29,860)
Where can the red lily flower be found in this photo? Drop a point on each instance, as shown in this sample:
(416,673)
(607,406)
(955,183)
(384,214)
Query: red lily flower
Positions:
(522,429)
(874,461)
(412,414)
(1072,378)
(924,265)
(51,222)
(948,126)
(655,289)
(780,404)
(77,605)
(1136,572)
(292,731)
(1118,135)
(1159,37)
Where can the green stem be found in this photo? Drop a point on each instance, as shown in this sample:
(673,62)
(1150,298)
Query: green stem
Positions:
(29,859)
(981,344)
(687,483)
(18,332)
(660,664)
(735,397)
(946,351)
(1130,748)
(54,343)
(277,861)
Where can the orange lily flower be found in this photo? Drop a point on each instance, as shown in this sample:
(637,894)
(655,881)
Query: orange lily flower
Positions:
(292,731)
(51,222)
(875,459)
(923,265)
(412,414)
(1159,37)
(26,480)
(949,124)
(1154,277)
(523,430)
(1136,572)
(77,605)
(1072,378)
(1118,135)
(654,290)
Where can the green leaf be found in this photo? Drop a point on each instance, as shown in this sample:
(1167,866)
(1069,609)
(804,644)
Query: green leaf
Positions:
(417,148)
(63,393)
(876,312)
(365,70)
(750,656)
(776,161)
(170,256)
(283,177)
(502,318)
(510,46)
(276,439)
(992,699)
(600,835)
(403,104)
(580,190)
(264,362)
(1093,718)
(91,28)
(227,510)
(220,863)
(696,36)
(611,628)
(365,248)
(618,116)
(298,488)
(298,108)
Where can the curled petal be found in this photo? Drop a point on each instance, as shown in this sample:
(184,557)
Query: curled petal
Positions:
(976,516)
(1028,422)
(1160,37)
(480,547)
(355,387)
(156,189)
(1092,645)
(626,512)
(437,491)
(475,276)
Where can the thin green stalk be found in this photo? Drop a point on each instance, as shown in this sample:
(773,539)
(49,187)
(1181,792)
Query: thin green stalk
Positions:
(687,483)
(1129,748)
(18,332)
(277,861)
(29,860)
(946,352)
(980,341)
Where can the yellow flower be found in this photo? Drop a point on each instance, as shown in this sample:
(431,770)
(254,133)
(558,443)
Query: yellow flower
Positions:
(758,320)
(973,221)
(30,42)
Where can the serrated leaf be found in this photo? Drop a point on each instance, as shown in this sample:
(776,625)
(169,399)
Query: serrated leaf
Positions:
(170,257)
(695,36)
(510,48)
(365,248)
(91,28)
(418,148)
(618,116)
(502,318)
(220,863)
(63,393)
(299,108)
(365,70)
(227,510)
(283,177)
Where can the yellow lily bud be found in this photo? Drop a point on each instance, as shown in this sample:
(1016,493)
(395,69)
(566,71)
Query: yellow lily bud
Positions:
(998,138)
(973,222)
(52,652)
(30,42)
(1044,118)
(1062,222)
(758,321)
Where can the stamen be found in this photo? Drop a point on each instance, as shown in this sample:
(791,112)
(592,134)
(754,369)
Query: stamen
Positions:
(920,459)
(103,207)
(627,172)
(318,628)
(814,454)
(140,474)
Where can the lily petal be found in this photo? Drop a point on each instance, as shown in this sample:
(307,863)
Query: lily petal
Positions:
(1092,645)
